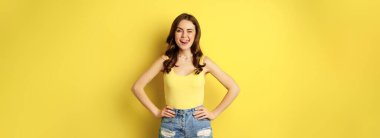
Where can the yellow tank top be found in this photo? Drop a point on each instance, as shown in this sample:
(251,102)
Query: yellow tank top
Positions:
(184,92)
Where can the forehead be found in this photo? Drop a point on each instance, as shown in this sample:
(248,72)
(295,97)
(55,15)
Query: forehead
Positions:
(186,24)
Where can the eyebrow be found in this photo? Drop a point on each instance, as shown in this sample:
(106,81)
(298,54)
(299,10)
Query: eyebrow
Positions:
(183,29)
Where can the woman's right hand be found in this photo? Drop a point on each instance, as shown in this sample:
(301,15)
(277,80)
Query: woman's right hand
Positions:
(166,112)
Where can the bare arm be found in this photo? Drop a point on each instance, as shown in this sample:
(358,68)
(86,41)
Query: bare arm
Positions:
(227,82)
(138,86)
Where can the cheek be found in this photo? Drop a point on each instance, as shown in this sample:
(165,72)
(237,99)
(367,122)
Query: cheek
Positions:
(192,36)
(177,36)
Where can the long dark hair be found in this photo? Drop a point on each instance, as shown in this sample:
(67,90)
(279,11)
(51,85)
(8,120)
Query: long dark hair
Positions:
(173,48)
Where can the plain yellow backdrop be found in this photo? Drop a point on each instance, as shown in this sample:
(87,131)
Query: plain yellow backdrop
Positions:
(306,69)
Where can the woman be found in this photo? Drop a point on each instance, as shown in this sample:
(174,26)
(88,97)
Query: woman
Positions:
(184,68)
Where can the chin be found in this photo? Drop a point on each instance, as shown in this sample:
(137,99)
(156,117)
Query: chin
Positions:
(184,47)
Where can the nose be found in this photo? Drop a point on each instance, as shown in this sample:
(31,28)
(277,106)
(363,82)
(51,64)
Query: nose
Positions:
(184,34)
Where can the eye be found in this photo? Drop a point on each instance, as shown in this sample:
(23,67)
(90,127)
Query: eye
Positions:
(179,30)
(190,31)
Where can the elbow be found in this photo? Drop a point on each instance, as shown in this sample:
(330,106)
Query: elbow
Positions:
(137,88)
(134,89)
(235,89)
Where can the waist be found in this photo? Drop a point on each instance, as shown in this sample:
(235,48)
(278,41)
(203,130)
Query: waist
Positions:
(184,99)
(184,111)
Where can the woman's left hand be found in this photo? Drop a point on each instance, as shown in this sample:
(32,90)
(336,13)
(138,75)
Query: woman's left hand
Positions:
(202,113)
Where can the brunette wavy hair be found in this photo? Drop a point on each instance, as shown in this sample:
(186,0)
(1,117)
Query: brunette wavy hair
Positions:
(173,48)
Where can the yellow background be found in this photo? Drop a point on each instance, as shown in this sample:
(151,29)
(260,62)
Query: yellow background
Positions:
(307,69)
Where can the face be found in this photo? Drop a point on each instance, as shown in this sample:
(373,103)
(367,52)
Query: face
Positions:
(185,34)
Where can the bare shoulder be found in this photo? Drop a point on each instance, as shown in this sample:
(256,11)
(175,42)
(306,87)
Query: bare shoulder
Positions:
(210,64)
(161,61)
(206,59)
(164,57)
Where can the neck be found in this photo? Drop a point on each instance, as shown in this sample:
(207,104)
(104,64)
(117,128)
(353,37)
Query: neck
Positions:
(186,53)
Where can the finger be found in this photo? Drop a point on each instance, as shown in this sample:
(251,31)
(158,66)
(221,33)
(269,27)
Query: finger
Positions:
(199,108)
(171,115)
(203,117)
(163,114)
(166,114)
(169,107)
(200,115)
(198,112)
(170,111)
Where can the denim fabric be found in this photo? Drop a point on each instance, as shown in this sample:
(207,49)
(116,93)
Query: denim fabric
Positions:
(185,125)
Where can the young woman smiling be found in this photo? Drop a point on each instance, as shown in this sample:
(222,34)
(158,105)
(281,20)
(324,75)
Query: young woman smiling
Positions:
(184,67)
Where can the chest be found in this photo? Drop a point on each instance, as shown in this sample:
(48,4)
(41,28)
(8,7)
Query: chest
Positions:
(183,68)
